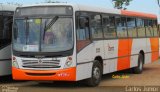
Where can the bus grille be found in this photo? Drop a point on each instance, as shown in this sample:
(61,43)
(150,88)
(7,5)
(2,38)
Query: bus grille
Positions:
(41,64)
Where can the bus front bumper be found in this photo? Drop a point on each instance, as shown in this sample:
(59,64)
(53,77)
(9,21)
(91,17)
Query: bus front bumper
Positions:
(46,75)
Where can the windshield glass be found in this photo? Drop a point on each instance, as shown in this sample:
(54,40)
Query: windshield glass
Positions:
(58,37)
(43,34)
(26,35)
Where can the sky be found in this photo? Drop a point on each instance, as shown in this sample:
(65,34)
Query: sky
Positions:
(147,6)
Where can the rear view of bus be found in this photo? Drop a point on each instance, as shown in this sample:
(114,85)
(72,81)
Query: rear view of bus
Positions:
(43,43)
(6,18)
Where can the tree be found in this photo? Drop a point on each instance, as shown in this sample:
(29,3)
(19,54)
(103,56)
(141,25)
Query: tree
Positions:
(158,1)
(121,4)
(49,1)
(52,1)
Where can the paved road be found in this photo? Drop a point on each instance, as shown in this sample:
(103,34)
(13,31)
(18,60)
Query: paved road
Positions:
(149,77)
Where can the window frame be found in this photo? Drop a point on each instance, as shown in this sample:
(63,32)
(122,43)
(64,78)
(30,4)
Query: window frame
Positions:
(151,35)
(143,27)
(125,27)
(80,14)
(154,20)
(135,27)
(100,26)
(109,15)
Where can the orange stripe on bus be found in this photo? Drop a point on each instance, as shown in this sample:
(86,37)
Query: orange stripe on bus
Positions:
(124,52)
(58,75)
(130,42)
(154,48)
(138,14)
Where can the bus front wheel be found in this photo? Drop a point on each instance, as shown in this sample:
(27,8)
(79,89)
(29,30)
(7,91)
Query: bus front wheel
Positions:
(96,75)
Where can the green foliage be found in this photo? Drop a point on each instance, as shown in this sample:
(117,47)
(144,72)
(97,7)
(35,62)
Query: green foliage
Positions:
(52,1)
(158,1)
(121,4)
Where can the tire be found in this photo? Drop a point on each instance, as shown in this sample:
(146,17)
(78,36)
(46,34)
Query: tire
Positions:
(139,68)
(96,75)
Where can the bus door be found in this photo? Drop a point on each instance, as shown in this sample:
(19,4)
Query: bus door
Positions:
(83,40)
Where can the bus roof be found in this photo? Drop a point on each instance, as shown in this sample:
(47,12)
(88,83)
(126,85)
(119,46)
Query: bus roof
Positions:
(7,7)
(82,7)
(138,14)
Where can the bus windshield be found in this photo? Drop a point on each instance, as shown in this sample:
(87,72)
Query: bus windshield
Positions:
(43,34)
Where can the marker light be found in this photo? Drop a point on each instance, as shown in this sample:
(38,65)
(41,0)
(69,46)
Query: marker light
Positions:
(14,62)
(69,62)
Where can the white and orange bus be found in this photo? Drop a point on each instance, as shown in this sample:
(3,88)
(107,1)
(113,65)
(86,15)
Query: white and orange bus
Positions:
(6,20)
(73,42)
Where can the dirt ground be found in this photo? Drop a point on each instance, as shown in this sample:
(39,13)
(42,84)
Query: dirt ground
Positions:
(150,78)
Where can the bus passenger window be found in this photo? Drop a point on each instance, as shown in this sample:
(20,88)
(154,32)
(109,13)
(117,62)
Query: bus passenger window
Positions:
(96,27)
(149,28)
(131,25)
(83,30)
(121,27)
(109,27)
(140,27)
(155,29)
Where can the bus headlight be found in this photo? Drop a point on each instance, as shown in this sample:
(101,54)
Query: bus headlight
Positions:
(68,62)
(14,62)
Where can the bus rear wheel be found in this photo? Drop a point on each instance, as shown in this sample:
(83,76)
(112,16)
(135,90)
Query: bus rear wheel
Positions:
(139,68)
(96,75)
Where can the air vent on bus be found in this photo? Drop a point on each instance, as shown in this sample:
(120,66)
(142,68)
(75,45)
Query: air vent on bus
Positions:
(41,63)
(40,74)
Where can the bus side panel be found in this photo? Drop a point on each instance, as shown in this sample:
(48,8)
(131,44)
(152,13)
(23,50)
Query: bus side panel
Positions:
(84,71)
(86,57)
(154,48)
(148,57)
(5,64)
(111,54)
(110,65)
(5,67)
(137,46)
(84,62)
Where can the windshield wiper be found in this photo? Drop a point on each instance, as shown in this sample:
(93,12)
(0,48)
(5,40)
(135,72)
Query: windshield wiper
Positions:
(50,25)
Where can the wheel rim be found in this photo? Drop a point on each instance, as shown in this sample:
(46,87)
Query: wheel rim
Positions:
(96,73)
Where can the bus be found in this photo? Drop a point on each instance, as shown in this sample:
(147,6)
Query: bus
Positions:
(159,37)
(6,18)
(74,42)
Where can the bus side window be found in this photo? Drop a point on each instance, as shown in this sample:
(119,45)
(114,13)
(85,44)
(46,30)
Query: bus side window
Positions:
(140,27)
(131,25)
(96,26)
(121,27)
(109,26)
(83,30)
(155,28)
(5,30)
(149,28)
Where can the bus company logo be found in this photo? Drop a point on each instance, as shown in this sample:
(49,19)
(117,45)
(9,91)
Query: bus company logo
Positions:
(110,48)
(40,61)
